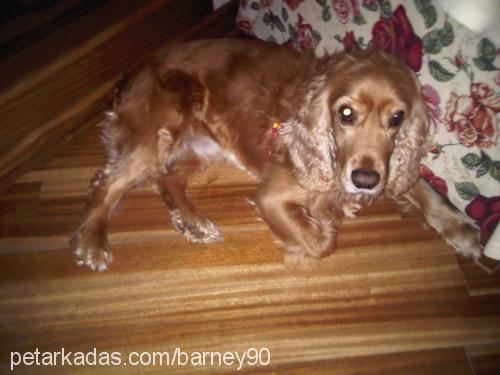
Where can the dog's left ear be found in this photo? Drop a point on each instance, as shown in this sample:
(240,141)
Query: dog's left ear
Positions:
(412,143)
(308,138)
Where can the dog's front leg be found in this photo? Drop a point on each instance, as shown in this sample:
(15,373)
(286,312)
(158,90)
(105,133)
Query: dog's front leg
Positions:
(456,229)
(300,219)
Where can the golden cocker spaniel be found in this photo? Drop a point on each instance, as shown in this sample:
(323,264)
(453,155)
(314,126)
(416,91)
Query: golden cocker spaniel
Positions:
(324,136)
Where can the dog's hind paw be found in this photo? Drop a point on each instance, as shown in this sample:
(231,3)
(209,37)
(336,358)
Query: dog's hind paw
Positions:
(96,258)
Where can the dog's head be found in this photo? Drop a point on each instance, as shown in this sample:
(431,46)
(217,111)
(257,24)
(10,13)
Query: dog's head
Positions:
(363,126)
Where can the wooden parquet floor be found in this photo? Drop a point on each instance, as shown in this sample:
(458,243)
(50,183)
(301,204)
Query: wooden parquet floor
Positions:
(394,298)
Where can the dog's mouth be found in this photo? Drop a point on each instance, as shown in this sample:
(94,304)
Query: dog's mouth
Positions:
(352,189)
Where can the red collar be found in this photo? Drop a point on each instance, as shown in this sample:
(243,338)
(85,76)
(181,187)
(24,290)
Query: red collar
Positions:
(274,134)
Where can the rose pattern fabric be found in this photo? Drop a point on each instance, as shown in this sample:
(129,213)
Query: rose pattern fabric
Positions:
(486,213)
(459,73)
(245,25)
(438,183)
(350,42)
(303,36)
(433,101)
(346,10)
(293,4)
(473,117)
(395,35)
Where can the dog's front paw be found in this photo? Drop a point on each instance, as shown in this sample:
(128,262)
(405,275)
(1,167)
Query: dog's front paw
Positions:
(314,251)
(351,208)
(298,261)
(466,240)
(93,256)
(196,229)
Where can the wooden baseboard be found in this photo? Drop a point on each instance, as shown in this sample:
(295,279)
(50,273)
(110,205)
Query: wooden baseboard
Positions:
(43,108)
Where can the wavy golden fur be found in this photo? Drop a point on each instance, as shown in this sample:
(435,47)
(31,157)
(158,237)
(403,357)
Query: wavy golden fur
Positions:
(353,129)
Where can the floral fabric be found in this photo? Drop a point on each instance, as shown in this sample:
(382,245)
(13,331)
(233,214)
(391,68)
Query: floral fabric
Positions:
(459,73)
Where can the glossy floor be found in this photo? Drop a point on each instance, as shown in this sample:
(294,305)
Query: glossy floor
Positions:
(394,298)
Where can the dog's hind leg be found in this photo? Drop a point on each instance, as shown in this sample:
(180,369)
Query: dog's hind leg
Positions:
(89,243)
(185,217)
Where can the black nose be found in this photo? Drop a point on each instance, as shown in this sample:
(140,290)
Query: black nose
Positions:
(365,178)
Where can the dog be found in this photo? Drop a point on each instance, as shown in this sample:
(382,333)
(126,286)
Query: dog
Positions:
(324,136)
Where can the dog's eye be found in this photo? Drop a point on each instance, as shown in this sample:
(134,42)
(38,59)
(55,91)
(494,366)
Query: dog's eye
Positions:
(397,119)
(347,115)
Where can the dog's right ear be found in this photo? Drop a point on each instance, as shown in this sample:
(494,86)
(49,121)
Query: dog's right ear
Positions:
(308,138)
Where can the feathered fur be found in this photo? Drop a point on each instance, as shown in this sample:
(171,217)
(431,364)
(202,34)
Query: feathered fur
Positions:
(209,101)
